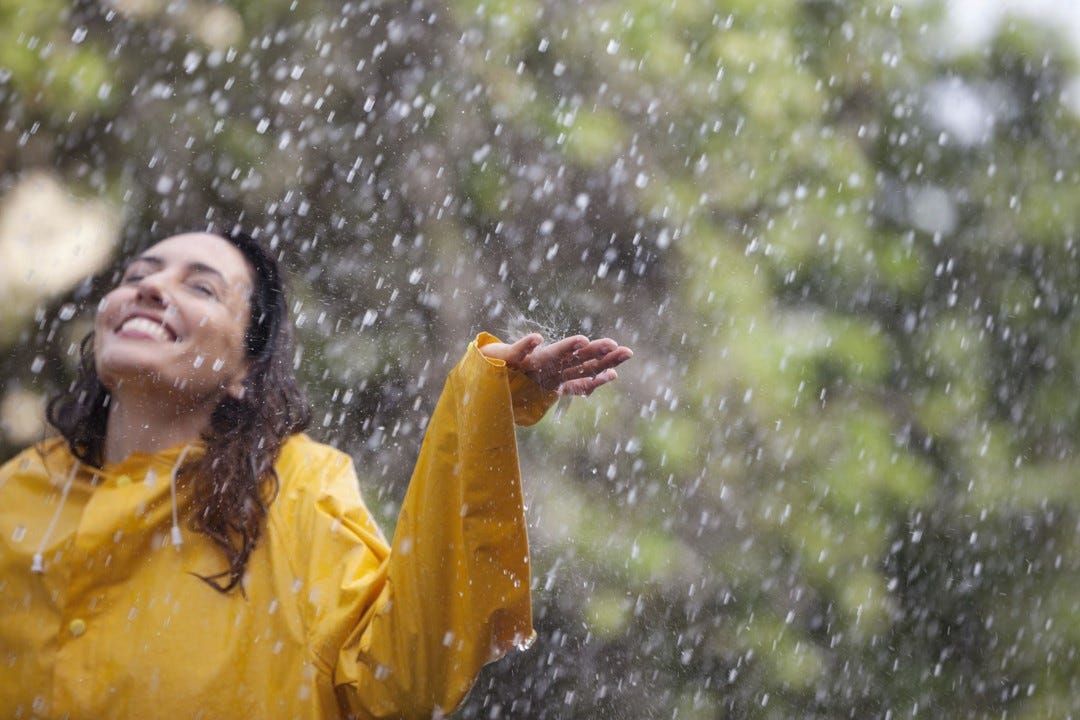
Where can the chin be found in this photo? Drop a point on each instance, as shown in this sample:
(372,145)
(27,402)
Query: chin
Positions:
(115,372)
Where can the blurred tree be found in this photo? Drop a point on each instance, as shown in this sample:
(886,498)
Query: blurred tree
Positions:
(836,480)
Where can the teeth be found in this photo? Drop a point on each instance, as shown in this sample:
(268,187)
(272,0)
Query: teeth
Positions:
(147,327)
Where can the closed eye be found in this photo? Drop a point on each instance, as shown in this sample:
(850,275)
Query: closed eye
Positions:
(204,289)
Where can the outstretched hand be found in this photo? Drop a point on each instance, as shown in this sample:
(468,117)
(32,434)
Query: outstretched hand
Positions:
(572,366)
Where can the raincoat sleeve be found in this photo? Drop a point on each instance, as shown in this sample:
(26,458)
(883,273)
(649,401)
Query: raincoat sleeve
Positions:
(456,593)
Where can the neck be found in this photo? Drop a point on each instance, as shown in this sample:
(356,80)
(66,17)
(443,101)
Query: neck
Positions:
(151,425)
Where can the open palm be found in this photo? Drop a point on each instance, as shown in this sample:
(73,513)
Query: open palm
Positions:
(574,365)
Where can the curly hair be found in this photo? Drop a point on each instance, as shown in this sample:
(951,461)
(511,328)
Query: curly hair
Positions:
(234,481)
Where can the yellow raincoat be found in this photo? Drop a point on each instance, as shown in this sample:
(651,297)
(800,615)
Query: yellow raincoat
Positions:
(332,622)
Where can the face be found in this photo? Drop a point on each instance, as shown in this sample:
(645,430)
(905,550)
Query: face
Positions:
(174,327)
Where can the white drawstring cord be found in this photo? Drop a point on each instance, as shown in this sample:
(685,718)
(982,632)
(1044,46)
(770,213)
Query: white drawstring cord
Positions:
(177,540)
(38,565)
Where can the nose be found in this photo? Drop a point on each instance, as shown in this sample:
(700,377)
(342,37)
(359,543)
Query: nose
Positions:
(150,290)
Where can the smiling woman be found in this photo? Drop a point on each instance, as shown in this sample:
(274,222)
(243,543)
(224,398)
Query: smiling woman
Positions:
(281,598)
(174,326)
(224,374)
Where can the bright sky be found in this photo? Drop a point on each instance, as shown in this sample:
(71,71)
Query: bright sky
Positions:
(973,22)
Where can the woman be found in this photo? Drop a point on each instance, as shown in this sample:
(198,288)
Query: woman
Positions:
(184,549)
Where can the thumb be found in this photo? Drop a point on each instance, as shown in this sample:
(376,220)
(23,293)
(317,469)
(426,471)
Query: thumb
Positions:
(522,349)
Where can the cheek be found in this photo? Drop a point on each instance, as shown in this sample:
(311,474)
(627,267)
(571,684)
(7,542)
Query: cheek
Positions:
(227,341)
(107,309)
(103,308)
(240,348)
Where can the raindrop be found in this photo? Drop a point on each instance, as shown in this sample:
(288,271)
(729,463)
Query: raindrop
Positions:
(479,155)
(191,62)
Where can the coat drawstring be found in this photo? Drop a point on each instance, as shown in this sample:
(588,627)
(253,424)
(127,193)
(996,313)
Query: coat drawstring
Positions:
(177,540)
(38,565)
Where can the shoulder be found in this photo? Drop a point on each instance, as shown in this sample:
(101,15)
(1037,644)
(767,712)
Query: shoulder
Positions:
(38,459)
(309,467)
(315,481)
(300,455)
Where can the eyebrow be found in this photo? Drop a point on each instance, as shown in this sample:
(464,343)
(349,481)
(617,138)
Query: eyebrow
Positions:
(191,267)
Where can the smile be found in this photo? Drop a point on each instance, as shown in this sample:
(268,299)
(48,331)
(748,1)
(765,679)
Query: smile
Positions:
(145,326)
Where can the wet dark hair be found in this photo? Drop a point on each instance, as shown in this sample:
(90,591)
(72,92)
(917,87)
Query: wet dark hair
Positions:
(234,482)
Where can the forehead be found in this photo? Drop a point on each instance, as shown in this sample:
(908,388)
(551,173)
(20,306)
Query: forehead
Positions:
(202,249)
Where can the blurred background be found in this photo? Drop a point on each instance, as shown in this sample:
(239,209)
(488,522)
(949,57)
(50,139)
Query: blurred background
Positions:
(840,477)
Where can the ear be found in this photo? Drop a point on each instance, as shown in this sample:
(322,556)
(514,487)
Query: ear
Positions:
(235,388)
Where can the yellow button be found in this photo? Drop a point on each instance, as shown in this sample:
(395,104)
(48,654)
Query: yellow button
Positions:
(77,627)
(123,481)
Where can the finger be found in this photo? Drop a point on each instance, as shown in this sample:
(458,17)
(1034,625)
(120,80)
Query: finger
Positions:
(597,365)
(520,350)
(593,349)
(567,346)
(586,385)
(557,355)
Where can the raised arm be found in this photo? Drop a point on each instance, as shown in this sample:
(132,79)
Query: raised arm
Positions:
(457,578)
(457,593)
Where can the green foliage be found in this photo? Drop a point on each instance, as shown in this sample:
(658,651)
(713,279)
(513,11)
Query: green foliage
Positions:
(838,478)
(51,70)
